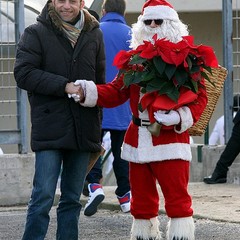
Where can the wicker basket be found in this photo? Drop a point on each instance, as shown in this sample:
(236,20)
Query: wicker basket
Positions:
(213,92)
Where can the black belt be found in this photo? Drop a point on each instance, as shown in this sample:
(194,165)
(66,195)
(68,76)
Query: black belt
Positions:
(140,122)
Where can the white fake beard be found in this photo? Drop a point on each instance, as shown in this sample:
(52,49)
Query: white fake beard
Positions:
(171,30)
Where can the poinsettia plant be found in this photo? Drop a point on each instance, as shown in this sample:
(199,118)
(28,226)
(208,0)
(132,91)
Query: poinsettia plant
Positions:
(164,67)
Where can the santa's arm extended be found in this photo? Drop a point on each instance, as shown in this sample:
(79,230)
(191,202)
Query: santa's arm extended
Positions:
(104,95)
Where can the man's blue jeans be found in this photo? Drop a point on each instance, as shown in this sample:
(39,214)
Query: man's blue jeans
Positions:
(47,169)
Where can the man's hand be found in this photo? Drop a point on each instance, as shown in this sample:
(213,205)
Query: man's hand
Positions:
(75,90)
(167,118)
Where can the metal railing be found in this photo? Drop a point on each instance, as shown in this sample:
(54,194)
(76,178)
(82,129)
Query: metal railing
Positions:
(13,101)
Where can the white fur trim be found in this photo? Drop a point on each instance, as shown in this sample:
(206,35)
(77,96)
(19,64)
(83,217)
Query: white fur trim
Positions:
(181,228)
(186,119)
(91,94)
(145,229)
(160,12)
(157,153)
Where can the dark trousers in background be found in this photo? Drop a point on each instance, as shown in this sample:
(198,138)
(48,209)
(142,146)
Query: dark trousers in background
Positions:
(230,152)
(120,166)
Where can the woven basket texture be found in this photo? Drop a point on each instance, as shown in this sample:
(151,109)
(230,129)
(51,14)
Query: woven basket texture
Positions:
(213,93)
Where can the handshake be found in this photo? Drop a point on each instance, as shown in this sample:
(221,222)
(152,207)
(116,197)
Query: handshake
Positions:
(76,90)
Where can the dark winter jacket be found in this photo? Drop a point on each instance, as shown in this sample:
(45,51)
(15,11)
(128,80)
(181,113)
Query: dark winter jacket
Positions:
(45,63)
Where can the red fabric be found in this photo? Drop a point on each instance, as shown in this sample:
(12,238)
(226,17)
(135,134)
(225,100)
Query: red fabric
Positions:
(112,94)
(156,3)
(154,102)
(173,176)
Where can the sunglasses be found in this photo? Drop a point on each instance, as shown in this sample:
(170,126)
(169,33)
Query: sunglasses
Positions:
(149,21)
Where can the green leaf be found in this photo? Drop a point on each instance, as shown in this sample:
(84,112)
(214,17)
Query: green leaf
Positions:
(195,68)
(209,69)
(170,90)
(166,87)
(143,90)
(189,62)
(159,64)
(140,107)
(174,94)
(181,76)
(205,75)
(170,70)
(128,79)
(156,83)
(195,86)
(136,59)
(148,75)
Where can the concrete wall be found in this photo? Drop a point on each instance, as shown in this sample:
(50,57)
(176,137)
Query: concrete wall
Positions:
(16,173)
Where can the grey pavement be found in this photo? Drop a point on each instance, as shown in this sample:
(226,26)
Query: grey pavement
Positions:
(219,202)
(216,214)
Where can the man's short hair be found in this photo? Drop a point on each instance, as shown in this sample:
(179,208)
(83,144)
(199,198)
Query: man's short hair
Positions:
(118,6)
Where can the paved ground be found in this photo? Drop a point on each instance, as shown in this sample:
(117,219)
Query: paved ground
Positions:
(220,202)
(112,225)
(217,216)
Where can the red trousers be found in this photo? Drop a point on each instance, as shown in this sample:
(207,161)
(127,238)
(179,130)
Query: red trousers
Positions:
(172,176)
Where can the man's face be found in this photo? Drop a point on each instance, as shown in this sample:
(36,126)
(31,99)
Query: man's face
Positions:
(68,9)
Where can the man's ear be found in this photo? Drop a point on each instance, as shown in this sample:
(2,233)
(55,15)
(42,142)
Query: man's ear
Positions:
(103,12)
(82,4)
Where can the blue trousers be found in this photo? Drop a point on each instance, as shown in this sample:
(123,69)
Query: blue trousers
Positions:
(48,165)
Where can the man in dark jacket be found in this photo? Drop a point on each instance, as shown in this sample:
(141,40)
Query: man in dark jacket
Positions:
(65,44)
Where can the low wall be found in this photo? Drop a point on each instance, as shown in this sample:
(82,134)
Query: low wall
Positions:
(16,172)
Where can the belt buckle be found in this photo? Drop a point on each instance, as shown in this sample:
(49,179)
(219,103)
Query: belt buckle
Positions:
(144,123)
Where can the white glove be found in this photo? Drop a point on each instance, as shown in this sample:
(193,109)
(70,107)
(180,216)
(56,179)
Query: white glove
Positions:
(75,96)
(167,119)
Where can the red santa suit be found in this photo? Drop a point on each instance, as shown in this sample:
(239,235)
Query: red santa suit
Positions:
(165,158)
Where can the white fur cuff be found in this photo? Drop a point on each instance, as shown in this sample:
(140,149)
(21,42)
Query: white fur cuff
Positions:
(146,229)
(181,228)
(186,119)
(91,94)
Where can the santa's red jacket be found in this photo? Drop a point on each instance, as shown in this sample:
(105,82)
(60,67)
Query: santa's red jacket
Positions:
(139,145)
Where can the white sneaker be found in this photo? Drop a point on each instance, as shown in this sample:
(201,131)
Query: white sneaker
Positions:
(125,202)
(96,196)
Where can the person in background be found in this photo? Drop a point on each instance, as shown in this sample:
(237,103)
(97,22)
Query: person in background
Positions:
(217,135)
(230,152)
(155,158)
(65,44)
(1,151)
(116,34)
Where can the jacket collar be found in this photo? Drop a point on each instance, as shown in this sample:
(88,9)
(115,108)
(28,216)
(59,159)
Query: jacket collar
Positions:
(113,17)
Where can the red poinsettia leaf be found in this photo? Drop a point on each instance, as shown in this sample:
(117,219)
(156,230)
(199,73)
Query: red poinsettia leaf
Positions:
(179,52)
(189,40)
(122,58)
(208,56)
(149,51)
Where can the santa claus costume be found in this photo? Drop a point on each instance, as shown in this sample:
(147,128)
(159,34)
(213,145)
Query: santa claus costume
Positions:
(162,159)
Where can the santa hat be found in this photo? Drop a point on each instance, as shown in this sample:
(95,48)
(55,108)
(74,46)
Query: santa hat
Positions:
(158,9)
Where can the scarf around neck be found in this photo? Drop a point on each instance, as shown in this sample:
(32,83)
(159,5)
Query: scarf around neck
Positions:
(71,32)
